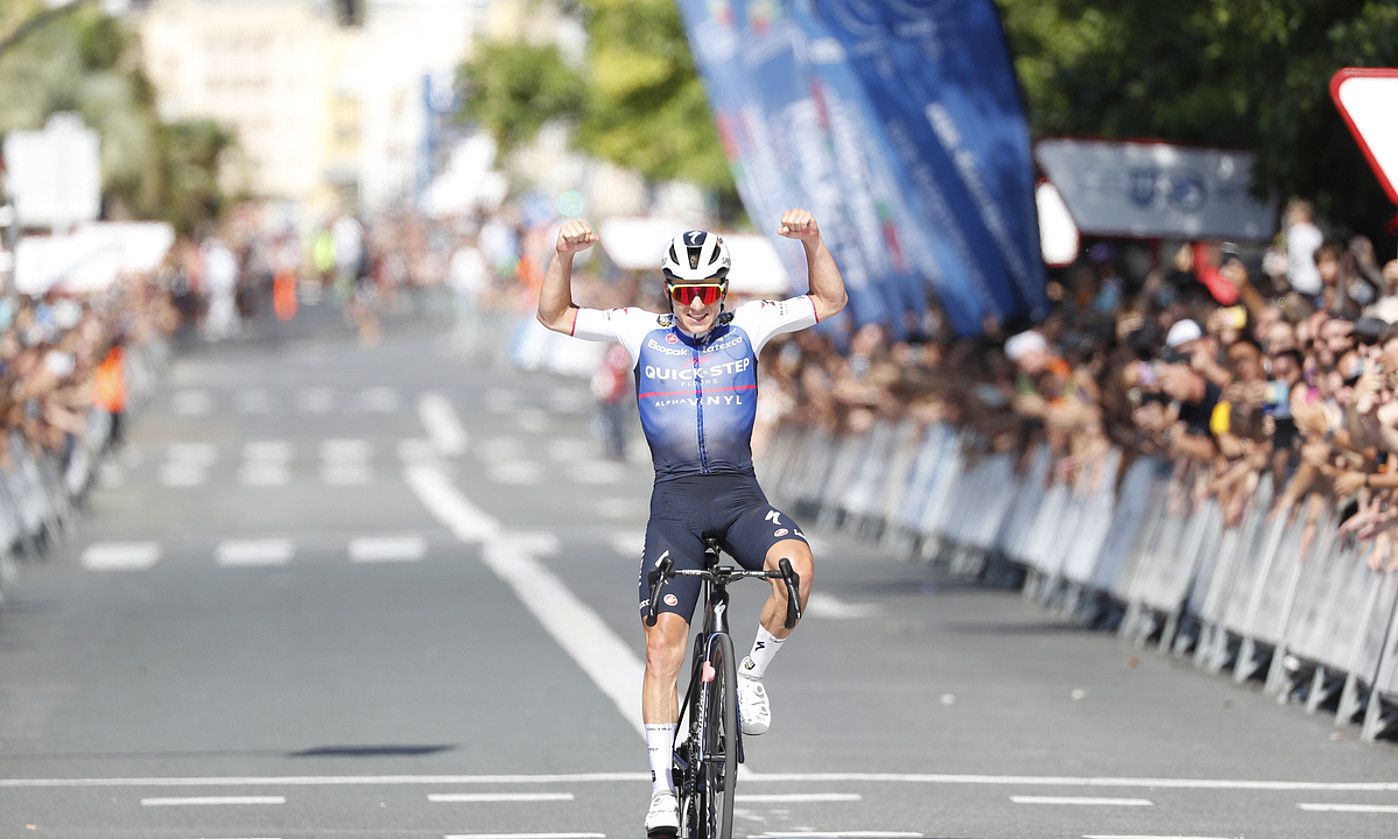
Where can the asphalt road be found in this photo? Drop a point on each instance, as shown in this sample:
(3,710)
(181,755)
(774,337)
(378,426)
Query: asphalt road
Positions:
(336,591)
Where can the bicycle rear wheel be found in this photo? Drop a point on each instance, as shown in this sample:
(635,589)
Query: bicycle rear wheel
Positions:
(718,776)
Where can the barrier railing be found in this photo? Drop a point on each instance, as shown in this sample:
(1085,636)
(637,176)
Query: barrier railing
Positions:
(1284,599)
(40,492)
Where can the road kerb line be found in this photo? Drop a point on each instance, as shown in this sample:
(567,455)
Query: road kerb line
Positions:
(496,797)
(212,800)
(1348,808)
(1081,801)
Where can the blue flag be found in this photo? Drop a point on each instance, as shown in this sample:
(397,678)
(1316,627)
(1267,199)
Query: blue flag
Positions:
(899,126)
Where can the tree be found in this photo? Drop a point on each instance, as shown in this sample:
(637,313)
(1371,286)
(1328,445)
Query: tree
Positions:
(635,99)
(1246,73)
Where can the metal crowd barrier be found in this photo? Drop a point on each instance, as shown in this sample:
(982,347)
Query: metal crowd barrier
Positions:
(40,492)
(1124,545)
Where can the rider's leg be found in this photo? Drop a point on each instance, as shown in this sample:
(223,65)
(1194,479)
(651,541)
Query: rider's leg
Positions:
(665,648)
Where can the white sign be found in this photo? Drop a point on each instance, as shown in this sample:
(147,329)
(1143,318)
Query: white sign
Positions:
(1368,100)
(1058,236)
(1156,190)
(55,175)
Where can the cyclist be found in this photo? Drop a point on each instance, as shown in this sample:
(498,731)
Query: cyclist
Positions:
(696,385)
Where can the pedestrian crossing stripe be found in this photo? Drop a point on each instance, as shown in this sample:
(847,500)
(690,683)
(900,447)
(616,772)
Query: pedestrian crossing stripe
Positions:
(260,401)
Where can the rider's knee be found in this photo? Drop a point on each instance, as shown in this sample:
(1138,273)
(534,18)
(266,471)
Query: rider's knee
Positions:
(665,645)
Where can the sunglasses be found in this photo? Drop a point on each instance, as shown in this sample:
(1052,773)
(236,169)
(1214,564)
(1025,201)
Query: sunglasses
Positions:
(706,293)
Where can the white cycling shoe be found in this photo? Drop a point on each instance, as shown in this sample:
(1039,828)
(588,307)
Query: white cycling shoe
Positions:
(664,816)
(754,709)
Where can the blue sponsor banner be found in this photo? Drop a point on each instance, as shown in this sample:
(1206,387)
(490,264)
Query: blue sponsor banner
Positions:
(905,207)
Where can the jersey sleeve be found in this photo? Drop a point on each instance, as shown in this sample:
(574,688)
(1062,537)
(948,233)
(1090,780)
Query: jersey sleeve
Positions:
(763,319)
(628,327)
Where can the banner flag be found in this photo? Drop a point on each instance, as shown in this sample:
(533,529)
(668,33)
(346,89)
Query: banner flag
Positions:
(899,126)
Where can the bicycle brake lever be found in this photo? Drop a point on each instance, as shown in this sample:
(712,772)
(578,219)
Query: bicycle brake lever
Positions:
(657,580)
(793,593)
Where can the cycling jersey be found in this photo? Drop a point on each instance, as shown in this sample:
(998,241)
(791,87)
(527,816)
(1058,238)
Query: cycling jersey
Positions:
(697,396)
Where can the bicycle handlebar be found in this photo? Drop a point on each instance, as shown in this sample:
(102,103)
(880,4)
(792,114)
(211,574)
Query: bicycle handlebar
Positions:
(666,569)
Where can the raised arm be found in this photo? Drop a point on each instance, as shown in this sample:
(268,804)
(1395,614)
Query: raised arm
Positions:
(827,286)
(556,307)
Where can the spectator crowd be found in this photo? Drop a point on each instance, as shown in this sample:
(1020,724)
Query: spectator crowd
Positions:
(1279,366)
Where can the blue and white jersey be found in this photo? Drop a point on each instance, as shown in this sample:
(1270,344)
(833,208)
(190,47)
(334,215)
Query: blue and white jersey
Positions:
(697,396)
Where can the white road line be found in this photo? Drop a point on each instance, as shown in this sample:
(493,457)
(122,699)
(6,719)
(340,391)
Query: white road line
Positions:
(1349,808)
(254,401)
(268,451)
(121,556)
(201,454)
(500,449)
(629,543)
(436,491)
(1078,801)
(569,449)
(610,663)
(1148,836)
(387,548)
(517,473)
(443,426)
(264,474)
(798,797)
(212,800)
(525,836)
(255,552)
(346,473)
(486,797)
(825,605)
(183,474)
(417,450)
(841,834)
(618,508)
(325,780)
(1068,781)
(597,472)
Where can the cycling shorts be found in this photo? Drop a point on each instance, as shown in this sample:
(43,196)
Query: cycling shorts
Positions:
(685,510)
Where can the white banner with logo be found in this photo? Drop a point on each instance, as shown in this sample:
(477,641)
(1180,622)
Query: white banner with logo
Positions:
(1156,190)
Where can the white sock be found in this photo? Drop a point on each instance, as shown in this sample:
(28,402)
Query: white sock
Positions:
(660,742)
(764,649)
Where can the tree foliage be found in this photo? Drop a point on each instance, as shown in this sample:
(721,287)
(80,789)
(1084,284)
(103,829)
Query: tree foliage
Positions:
(635,99)
(1245,73)
(89,63)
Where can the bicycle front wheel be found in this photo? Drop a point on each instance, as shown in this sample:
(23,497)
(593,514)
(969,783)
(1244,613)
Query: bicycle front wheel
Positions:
(719,772)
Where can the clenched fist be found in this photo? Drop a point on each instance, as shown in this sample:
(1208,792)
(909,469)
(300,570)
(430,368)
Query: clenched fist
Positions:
(575,235)
(798,224)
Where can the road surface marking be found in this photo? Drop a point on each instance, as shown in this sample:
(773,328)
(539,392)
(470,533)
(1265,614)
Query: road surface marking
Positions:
(417,450)
(268,451)
(841,834)
(347,450)
(346,473)
(200,454)
(484,797)
(1076,801)
(387,548)
(436,491)
(597,472)
(212,800)
(255,552)
(1349,808)
(517,473)
(264,474)
(754,777)
(604,657)
(629,543)
(183,474)
(121,556)
(444,428)
(569,449)
(1148,836)
(824,605)
(525,836)
(619,508)
(798,797)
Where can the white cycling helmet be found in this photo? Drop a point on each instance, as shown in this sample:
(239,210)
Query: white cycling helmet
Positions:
(696,255)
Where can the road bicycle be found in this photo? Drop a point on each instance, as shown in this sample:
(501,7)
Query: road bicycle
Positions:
(707,755)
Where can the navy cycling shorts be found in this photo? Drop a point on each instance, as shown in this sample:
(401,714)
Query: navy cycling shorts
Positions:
(686,510)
